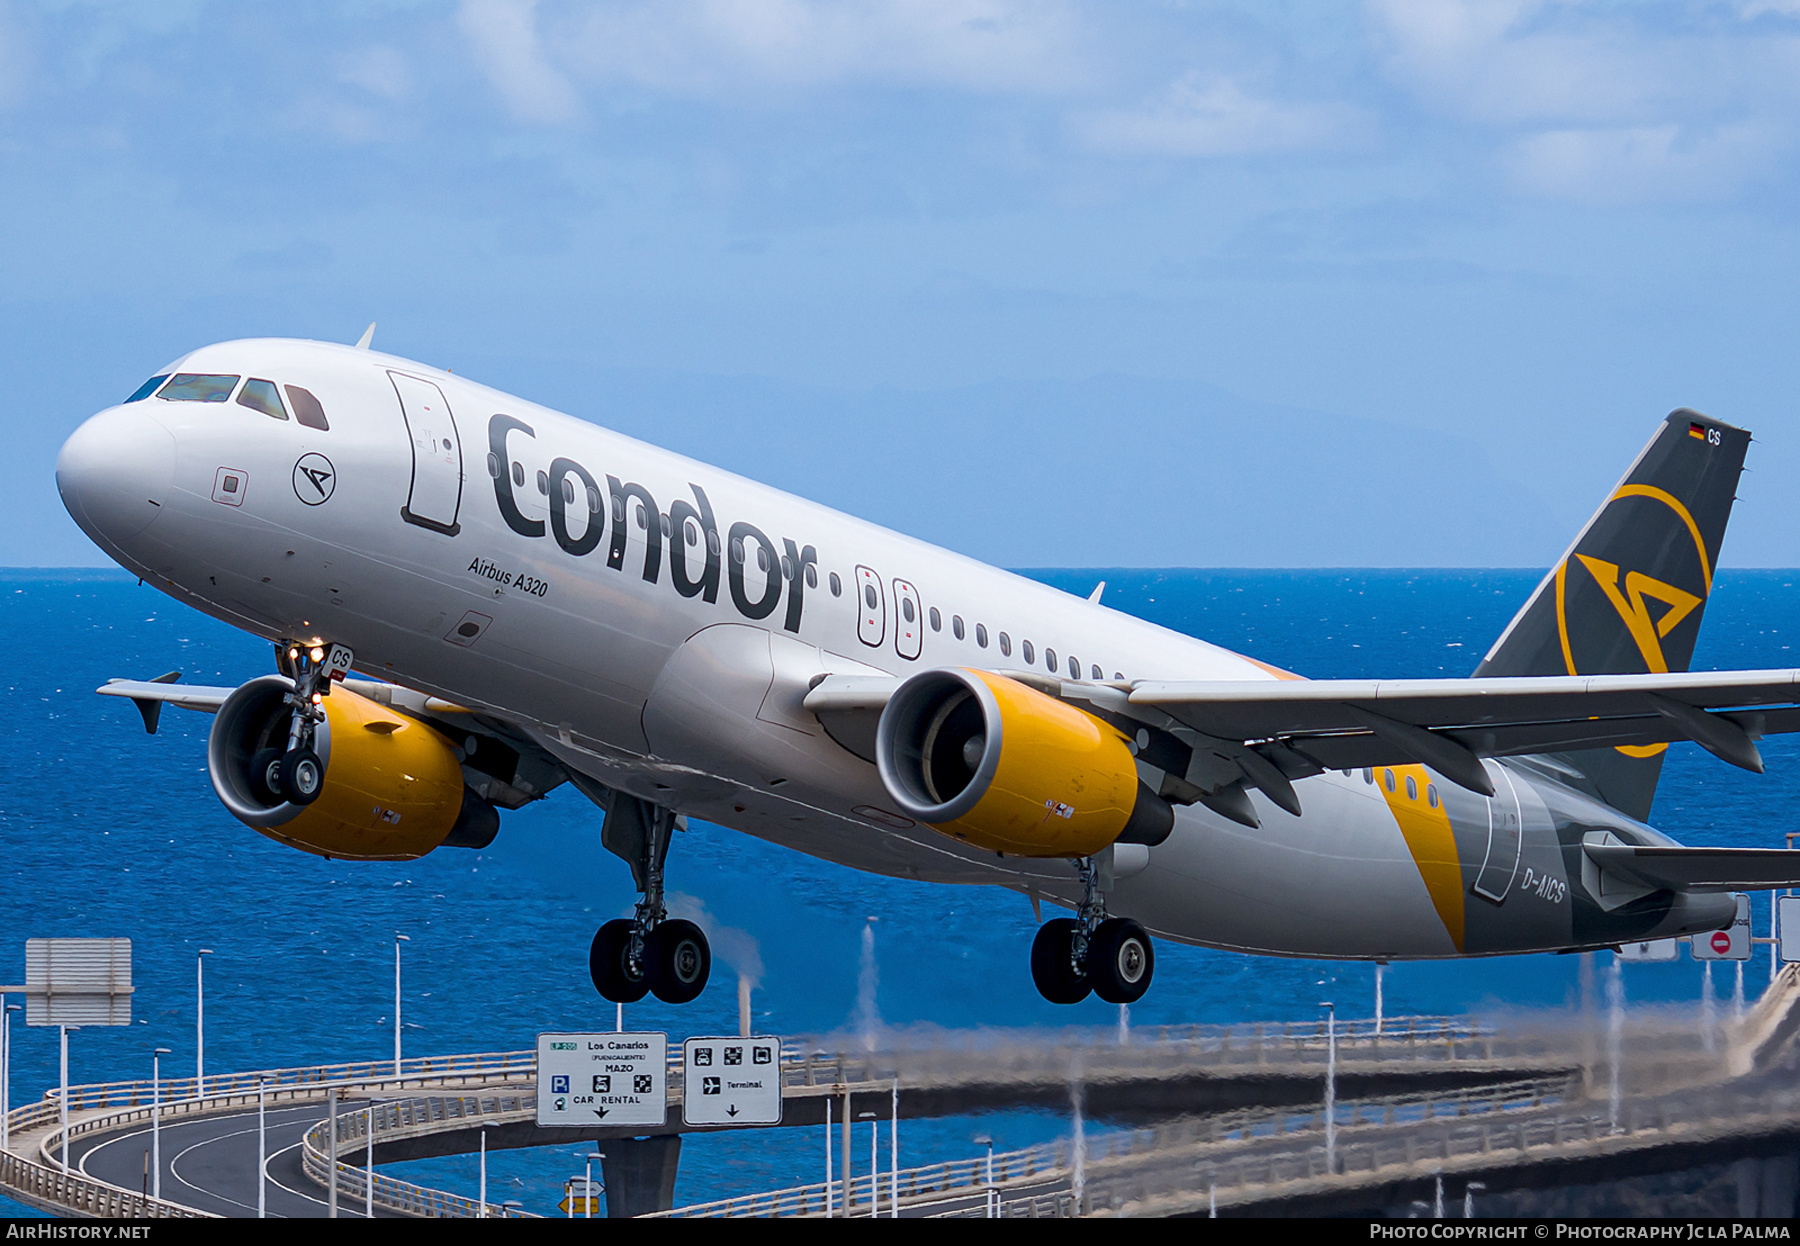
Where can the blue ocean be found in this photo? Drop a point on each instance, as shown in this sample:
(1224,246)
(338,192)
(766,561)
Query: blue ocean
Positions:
(109,832)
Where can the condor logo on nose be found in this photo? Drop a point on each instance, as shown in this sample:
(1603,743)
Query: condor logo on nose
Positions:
(314,479)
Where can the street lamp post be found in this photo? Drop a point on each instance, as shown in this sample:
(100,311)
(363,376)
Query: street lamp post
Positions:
(398,940)
(1469,1198)
(988,1201)
(1330,1085)
(482,1212)
(63,1100)
(587,1202)
(262,1150)
(200,1022)
(369,1167)
(6,1012)
(156,1120)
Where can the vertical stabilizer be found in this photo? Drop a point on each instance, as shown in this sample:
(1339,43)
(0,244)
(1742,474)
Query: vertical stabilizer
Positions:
(1628,595)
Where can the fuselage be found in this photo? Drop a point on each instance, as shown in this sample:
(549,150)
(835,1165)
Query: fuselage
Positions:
(654,623)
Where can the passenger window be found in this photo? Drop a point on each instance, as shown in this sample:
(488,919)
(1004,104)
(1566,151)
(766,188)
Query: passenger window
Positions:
(1096,674)
(1412,789)
(543,483)
(812,576)
(147,388)
(594,503)
(1005,645)
(518,475)
(937,620)
(307,409)
(1050,659)
(1074,669)
(1387,779)
(956,626)
(1119,675)
(568,491)
(981,635)
(198,387)
(1027,652)
(493,466)
(1431,797)
(837,585)
(262,396)
(906,608)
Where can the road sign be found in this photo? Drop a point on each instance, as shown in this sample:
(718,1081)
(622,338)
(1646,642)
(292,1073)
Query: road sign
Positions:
(1787,918)
(581,1197)
(731,1081)
(76,982)
(1653,950)
(1732,943)
(594,1079)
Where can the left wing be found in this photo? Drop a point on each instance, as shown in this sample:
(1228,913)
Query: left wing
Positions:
(1209,740)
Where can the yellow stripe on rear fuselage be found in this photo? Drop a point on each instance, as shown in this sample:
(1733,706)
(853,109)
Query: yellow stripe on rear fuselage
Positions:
(1429,838)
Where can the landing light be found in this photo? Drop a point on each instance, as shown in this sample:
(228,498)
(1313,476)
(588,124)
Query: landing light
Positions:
(318,654)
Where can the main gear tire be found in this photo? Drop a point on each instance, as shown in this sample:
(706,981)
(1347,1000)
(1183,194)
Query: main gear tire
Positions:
(677,961)
(1053,965)
(609,964)
(1120,961)
(302,776)
(265,776)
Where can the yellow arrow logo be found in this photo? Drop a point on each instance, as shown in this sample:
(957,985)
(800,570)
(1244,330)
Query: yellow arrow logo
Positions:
(1646,633)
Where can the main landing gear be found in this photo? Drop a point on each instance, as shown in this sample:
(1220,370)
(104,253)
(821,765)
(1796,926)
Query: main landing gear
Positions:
(1110,956)
(296,773)
(649,952)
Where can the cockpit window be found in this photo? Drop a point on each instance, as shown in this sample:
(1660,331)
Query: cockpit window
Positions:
(147,388)
(307,409)
(198,387)
(261,396)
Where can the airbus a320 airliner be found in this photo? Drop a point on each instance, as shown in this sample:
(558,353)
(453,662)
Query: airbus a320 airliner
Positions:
(474,600)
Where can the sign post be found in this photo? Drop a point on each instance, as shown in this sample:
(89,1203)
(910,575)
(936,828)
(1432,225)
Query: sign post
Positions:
(612,1079)
(1732,943)
(731,1081)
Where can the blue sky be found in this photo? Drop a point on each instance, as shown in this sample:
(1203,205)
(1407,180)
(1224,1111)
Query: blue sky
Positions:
(1404,282)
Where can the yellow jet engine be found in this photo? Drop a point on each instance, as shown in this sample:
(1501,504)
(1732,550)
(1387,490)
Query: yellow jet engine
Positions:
(392,787)
(990,761)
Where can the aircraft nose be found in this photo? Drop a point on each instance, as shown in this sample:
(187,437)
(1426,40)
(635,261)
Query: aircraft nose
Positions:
(115,472)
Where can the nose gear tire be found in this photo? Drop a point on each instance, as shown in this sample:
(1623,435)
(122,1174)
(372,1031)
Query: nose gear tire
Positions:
(677,961)
(1120,961)
(1052,963)
(609,964)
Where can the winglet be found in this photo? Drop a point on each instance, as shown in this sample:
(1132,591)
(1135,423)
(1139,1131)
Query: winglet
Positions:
(152,710)
(362,343)
(1098,589)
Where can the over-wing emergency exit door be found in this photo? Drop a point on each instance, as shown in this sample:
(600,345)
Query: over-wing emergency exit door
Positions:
(435,496)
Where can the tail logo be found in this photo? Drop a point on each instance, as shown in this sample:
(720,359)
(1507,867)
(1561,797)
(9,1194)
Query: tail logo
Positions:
(1649,608)
(1646,633)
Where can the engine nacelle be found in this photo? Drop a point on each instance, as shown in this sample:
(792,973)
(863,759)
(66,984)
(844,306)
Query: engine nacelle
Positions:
(393,788)
(989,761)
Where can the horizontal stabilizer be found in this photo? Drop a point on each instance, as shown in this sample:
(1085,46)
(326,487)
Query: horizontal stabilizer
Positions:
(1699,869)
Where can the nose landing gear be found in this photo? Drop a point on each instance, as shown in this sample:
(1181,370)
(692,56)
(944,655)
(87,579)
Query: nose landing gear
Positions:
(1109,956)
(296,773)
(649,952)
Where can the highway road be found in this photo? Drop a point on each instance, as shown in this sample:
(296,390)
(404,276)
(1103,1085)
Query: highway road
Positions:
(209,1162)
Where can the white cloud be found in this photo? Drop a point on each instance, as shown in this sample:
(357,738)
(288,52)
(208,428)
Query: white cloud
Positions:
(1643,162)
(1200,116)
(708,46)
(379,70)
(502,35)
